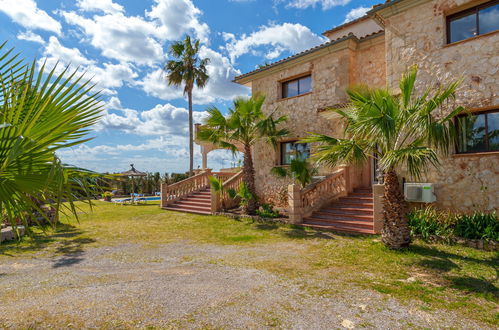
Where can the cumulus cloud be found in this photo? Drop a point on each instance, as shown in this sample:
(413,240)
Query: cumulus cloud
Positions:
(117,36)
(30,36)
(27,14)
(219,87)
(281,37)
(356,13)
(106,6)
(325,4)
(107,76)
(160,120)
(178,17)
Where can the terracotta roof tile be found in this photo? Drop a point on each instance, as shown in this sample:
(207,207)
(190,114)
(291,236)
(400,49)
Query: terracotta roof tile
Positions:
(305,52)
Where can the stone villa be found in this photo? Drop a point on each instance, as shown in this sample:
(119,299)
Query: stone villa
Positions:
(446,39)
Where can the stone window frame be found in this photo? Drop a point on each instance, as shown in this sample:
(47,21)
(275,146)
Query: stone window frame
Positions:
(475,112)
(282,82)
(464,12)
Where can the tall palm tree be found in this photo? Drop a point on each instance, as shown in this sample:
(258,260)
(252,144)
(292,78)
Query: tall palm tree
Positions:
(188,69)
(403,132)
(244,126)
(41,113)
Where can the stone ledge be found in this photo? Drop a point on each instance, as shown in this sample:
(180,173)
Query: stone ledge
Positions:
(9,233)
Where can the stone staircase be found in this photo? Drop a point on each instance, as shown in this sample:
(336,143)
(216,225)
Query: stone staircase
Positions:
(349,214)
(198,202)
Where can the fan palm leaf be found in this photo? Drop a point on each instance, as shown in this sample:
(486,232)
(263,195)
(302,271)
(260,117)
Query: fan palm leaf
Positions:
(41,113)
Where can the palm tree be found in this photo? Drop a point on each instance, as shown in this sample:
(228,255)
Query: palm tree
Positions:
(41,113)
(188,69)
(299,170)
(245,125)
(403,132)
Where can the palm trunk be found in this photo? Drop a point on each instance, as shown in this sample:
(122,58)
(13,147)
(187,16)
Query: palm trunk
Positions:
(395,233)
(191,135)
(249,179)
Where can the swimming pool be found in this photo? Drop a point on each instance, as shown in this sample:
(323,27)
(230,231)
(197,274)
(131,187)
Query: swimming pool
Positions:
(152,198)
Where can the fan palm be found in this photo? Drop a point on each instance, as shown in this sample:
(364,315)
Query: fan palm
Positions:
(245,125)
(403,132)
(41,113)
(299,170)
(188,69)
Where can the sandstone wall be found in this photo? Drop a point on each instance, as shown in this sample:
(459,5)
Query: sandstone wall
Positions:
(331,76)
(418,36)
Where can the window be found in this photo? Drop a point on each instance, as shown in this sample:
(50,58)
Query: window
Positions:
(473,22)
(292,150)
(297,86)
(478,132)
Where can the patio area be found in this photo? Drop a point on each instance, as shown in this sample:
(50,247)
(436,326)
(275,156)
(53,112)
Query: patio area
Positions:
(140,266)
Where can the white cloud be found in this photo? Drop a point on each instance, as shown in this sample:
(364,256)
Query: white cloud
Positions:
(283,37)
(106,6)
(219,87)
(356,13)
(30,36)
(27,14)
(107,76)
(161,120)
(325,4)
(120,37)
(178,17)
(135,38)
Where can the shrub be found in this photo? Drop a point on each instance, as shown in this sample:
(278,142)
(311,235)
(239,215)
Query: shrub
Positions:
(478,225)
(107,196)
(267,211)
(429,221)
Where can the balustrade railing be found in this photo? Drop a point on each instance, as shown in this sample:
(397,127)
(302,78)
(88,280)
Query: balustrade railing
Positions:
(173,192)
(302,202)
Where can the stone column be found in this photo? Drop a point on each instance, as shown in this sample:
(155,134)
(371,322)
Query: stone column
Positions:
(348,179)
(378,193)
(204,155)
(163,202)
(215,202)
(295,204)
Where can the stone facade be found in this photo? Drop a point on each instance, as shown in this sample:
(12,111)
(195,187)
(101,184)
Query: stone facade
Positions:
(414,33)
(332,73)
(417,36)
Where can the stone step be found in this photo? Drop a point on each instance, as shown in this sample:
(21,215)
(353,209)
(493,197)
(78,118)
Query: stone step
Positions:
(350,204)
(184,209)
(330,215)
(367,199)
(198,199)
(189,202)
(341,222)
(338,228)
(347,210)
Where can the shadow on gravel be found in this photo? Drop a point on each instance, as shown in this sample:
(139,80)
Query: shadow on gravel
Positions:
(72,251)
(34,242)
(444,262)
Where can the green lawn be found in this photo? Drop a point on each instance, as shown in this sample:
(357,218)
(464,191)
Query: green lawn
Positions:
(433,276)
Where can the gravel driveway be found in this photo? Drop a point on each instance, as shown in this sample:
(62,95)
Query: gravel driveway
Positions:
(182,285)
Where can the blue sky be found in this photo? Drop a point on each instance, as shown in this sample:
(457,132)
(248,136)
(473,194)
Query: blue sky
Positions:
(123,44)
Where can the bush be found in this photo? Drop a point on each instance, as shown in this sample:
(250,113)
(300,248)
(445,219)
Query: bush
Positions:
(267,211)
(107,196)
(429,221)
(478,226)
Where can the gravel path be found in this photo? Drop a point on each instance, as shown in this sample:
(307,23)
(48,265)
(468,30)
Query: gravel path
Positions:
(182,285)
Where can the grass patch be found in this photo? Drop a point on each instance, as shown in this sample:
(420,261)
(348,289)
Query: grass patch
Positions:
(432,276)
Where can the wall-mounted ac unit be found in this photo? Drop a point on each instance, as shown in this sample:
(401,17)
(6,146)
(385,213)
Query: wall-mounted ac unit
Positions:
(419,192)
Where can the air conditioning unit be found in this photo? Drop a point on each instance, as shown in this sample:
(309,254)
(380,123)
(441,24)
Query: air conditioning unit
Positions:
(419,192)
